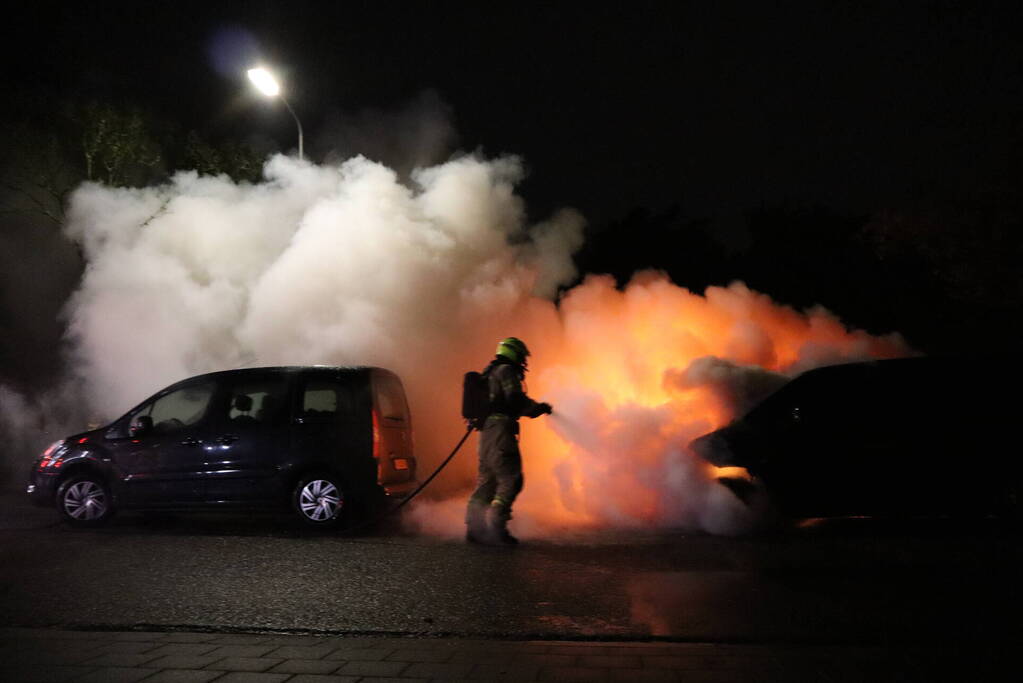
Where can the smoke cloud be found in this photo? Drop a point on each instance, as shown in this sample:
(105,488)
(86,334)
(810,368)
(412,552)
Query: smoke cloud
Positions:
(420,133)
(327,264)
(737,387)
(350,264)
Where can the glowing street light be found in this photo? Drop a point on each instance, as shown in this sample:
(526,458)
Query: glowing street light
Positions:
(267,84)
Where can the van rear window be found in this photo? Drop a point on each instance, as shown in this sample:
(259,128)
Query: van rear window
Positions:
(323,398)
(390,398)
(320,400)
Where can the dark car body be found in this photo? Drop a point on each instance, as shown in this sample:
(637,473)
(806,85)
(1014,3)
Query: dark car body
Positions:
(904,436)
(244,438)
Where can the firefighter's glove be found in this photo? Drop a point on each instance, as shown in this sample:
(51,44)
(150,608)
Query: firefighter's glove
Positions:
(545,409)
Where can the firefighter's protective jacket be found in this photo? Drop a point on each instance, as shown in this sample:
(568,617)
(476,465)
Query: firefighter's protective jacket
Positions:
(507,399)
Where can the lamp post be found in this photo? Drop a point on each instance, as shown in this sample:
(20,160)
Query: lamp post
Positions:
(267,84)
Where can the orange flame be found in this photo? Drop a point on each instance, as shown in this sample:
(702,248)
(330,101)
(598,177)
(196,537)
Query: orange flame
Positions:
(612,363)
(615,453)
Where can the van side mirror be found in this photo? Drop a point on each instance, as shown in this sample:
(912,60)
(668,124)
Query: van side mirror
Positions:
(143,424)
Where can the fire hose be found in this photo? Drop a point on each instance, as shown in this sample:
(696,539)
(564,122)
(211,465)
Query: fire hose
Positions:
(415,493)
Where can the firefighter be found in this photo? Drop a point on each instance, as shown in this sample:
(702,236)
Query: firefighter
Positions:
(500,463)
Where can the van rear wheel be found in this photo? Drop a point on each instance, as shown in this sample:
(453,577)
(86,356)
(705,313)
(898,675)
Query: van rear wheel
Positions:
(320,500)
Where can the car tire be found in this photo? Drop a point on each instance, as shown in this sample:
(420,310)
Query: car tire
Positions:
(320,500)
(85,501)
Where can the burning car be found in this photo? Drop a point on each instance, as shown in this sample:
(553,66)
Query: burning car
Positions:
(326,440)
(889,437)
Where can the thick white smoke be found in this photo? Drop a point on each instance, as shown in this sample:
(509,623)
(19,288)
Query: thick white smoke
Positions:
(315,265)
(347,264)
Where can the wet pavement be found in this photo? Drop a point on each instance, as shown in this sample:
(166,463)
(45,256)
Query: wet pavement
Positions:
(925,586)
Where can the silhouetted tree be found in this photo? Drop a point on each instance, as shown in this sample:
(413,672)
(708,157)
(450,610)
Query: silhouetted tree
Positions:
(664,240)
(973,252)
(118,142)
(239,161)
(37,174)
(966,252)
(46,151)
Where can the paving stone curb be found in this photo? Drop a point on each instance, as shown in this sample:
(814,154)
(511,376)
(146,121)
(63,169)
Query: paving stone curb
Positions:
(44,655)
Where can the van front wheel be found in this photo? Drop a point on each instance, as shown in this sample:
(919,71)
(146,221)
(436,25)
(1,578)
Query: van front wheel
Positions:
(84,501)
(319,499)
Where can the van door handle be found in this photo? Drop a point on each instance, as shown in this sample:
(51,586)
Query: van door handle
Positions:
(226,439)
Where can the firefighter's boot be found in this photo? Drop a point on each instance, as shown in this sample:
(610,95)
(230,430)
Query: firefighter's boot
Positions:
(497,525)
(476,530)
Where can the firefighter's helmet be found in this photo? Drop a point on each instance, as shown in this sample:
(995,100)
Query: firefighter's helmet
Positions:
(513,349)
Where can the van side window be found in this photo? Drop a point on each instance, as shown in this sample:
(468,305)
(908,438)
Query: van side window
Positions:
(257,401)
(390,398)
(323,399)
(179,409)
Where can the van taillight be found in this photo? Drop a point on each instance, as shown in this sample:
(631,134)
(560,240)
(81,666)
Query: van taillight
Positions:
(376,445)
(376,434)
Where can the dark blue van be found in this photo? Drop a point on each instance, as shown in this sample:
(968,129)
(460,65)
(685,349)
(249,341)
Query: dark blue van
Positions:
(330,442)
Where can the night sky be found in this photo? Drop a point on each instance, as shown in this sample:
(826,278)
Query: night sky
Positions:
(711,106)
(650,118)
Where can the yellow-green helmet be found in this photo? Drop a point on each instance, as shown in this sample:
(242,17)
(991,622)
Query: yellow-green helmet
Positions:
(514,349)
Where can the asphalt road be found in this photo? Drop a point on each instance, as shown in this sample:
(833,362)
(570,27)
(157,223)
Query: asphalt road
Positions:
(851,581)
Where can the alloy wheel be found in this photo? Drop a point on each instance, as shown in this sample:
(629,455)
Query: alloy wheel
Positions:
(85,501)
(320,500)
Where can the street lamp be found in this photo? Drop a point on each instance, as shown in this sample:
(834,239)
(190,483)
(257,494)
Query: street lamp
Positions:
(267,84)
